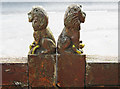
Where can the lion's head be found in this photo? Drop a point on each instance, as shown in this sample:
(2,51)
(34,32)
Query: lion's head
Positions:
(38,17)
(74,16)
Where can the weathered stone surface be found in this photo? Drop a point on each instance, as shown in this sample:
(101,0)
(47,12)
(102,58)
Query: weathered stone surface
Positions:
(102,74)
(71,70)
(103,87)
(14,72)
(14,76)
(70,73)
(44,41)
(69,39)
(41,70)
(13,87)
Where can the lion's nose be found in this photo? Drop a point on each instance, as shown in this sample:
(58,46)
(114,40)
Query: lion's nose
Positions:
(29,13)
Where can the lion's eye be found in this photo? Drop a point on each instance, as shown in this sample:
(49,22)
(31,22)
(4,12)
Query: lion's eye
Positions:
(36,10)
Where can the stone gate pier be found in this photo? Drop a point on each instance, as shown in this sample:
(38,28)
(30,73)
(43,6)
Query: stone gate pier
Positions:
(71,70)
(41,70)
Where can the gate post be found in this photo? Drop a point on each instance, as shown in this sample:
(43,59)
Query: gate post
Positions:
(41,70)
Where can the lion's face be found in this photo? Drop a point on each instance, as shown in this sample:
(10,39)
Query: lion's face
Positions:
(74,16)
(82,16)
(30,16)
(38,17)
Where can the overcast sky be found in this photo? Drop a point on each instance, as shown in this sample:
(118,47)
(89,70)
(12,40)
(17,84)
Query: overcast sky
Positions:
(59,0)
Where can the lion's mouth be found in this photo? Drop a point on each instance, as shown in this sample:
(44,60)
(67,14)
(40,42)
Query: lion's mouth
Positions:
(82,17)
(29,18)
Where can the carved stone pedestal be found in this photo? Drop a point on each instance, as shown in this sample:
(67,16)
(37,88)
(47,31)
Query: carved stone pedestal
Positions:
(71,70)
(41,70)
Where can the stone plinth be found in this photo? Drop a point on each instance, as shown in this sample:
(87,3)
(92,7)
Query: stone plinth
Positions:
(41,70)
(71,70)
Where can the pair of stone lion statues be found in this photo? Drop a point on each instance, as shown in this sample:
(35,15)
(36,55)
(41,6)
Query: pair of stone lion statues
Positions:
(69,39)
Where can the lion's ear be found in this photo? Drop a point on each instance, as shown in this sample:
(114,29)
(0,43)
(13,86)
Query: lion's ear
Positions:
(33,7)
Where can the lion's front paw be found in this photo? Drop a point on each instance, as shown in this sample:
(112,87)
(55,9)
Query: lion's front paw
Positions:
(45,51)
(78,51)
(82,45)
(33,50)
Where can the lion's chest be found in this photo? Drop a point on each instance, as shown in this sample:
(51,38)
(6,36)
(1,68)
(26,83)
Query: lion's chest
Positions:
(74,36)
(38,35)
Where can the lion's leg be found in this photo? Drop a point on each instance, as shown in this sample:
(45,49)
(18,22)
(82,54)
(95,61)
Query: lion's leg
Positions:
(48,46)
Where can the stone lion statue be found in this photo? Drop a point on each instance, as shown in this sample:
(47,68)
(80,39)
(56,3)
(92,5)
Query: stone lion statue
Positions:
(44,41)
(69,39)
